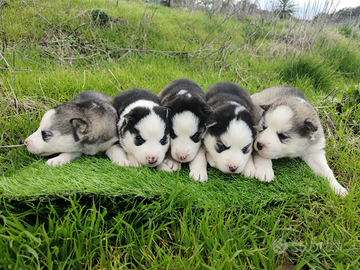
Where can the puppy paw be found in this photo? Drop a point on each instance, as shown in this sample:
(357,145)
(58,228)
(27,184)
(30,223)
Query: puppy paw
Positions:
(134,164)
(62,159)
(118,156)
(340,190)
(164,167)
(265,175)
(199,175)
(122,162)
(172,164)
(57,161)
(249,170)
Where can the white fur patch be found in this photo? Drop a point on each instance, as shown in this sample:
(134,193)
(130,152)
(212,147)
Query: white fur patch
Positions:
(185,125)
(184,92)
(301,100)
(239,107)
(279,122)
(280,118)
(36,145)
(140,103)
(152,130)
(237,136)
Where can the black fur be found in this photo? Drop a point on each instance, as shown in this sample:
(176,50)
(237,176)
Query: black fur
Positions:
(170,98)
(123,99)
(218,97)
(307,129)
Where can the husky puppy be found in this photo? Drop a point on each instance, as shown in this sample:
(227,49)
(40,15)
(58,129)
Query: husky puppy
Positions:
(289,127)
(230,129)
(85,125)
(143,127)
(188,112)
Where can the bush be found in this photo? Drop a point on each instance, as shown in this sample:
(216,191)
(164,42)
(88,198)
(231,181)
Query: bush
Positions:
(343,60)
(307,67)
(345,30)
(100,16)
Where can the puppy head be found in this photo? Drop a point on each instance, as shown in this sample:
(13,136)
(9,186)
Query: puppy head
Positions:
(187,126)
(285,131)
(229,138)
(144,133)
(57,133)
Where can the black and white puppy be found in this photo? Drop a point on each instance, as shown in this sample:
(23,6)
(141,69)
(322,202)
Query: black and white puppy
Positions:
(143,127)
(188,112)
(85,125)
(289,127)
(230,129)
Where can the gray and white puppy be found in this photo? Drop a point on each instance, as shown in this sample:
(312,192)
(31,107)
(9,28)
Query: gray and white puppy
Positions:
(289,127)
(143,127)
(188,112)
(230,129)
(85,125)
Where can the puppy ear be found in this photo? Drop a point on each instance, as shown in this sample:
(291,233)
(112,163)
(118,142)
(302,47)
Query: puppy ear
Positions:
(128,117)
(312,128)
(265,107)
(210,122)
(163,111)
(206,109)
(167,111)
(257,128)
(79,124)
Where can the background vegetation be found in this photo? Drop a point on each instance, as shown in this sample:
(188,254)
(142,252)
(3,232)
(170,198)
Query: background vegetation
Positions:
(51,51)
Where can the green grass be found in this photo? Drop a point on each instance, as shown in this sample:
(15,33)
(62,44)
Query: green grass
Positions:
(104,178)
(109,217)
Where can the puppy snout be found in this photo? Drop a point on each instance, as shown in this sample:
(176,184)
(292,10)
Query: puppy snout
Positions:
(259,146)
(182,157)
(26,144)
(152,160)
(233,168)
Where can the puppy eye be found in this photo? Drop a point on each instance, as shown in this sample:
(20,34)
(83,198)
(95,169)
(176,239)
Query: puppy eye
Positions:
(172,134)
(262,128)
(282,137)
(139,141)
(220,147)
(246,149)
(163,141)
(45,135)
(196,137)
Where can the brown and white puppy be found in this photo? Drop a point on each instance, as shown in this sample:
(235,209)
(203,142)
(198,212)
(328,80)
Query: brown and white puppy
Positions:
(85,125)
(289,127)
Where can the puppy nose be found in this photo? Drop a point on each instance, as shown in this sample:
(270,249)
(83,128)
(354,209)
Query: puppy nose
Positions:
(259,146)
(233,168)
(152,160)
(26,143)
(182,157)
